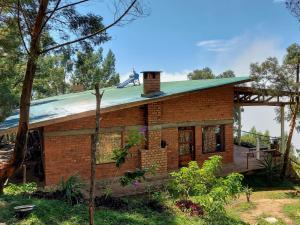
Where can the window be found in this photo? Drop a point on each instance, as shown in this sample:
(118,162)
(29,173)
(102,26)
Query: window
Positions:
(213,138)
(108,142)
(186,140)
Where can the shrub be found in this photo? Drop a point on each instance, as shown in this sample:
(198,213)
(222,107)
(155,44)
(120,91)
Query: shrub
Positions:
(16,189)
(270,170)
(248,192)
(71,190)
(192,180)
(194,209)
(208,190)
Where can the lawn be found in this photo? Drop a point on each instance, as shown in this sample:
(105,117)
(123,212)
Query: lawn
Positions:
(59,212)
(279,203)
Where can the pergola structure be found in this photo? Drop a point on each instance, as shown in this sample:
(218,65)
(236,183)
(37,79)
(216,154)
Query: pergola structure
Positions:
(247,96)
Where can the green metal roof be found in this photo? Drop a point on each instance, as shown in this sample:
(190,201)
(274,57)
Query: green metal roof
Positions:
(70,104)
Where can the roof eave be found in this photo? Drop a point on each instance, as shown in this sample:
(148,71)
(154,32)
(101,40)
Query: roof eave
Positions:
(115,108)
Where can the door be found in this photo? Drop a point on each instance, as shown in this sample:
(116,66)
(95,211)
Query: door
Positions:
(186,145)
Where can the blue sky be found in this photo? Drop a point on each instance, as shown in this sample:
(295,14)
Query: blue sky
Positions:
(180,36)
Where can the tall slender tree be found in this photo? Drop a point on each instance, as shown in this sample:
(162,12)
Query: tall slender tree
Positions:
(278,78)
(90,64)
(36,20)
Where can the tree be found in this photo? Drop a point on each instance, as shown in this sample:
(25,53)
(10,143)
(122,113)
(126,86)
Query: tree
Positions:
(205,73)
(11,67)
(226,74)
(36,20)
(278,78)
(95,146)
(109,75)
(90,65)
(50,77)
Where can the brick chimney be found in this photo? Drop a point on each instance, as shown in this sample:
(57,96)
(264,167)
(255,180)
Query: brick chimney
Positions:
(151,84)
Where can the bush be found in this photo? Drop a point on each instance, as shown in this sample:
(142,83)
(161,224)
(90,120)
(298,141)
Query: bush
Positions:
(188,206)
(270,170)
(71,190)
(205,188)
(16,189)
(192,180)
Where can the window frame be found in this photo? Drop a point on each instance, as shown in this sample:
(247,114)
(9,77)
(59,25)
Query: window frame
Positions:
(108,133)
(223,139)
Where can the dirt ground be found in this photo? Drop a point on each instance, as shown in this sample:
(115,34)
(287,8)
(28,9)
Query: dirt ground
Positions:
(266,205)
(272,207)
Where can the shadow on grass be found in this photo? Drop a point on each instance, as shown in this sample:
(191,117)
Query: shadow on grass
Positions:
(261,183)
(46,211)
(56,212)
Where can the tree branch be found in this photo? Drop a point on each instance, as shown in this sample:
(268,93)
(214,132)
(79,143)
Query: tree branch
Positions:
(93,34)
(20,28)
(66,6)
(51,14)
(28,25)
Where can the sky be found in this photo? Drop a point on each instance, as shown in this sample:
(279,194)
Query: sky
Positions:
(179,36)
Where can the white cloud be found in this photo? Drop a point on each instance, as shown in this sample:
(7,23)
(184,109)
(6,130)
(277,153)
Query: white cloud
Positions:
(218,45)
(248,48)
(165,76)
(257,51)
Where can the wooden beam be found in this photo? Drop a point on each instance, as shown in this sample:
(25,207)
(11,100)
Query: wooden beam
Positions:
(262,103)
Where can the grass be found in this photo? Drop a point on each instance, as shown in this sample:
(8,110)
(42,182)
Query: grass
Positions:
(242,206)
(264,194)
(293,212)
(261,220)
(58,212)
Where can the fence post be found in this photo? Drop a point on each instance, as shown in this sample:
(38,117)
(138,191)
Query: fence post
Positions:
(257,148)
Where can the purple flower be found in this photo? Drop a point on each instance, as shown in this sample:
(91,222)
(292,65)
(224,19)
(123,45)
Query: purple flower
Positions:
(144,129)
(136,183)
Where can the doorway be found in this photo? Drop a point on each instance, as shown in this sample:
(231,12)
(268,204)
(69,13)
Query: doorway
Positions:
(186,145)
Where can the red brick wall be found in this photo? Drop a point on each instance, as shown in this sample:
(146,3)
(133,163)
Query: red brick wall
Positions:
(67,155)
(209,104)
(125,117)
(154,154)
(213,104)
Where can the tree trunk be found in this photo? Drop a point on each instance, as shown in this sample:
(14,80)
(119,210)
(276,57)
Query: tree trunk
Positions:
(292,128)
(289,143)
(95,146)
(21,138)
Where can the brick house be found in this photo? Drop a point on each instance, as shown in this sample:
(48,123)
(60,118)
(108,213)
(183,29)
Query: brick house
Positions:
(185,120)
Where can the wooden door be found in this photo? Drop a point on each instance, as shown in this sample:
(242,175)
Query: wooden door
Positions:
(186,145)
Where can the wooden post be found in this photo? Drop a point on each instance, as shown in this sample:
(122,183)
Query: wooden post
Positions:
(239,134)
(257,148)
(24,173)
(282,142)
